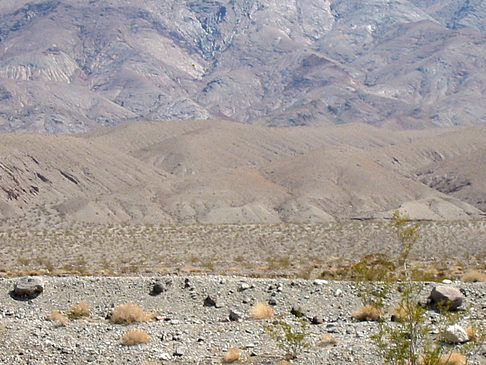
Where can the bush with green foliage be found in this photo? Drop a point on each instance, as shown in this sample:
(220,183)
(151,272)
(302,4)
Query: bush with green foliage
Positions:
(406,340)
(292,339)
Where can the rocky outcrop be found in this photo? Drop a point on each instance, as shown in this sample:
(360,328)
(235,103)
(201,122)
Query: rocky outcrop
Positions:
(447,297)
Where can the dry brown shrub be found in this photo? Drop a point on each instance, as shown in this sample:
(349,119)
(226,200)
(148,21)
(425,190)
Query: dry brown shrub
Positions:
(327,340)
(129,313)
(473,276)
(261,311)
(135,337)
(400,313)
(471,333)
(58,319)
(454,358)
(232,355)
(367,313)
(79,310)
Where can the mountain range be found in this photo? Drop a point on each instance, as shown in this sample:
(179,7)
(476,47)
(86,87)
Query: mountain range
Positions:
(68,66)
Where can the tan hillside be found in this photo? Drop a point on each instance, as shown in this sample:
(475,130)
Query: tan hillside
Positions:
(187,147)
(226,172)
(64,175)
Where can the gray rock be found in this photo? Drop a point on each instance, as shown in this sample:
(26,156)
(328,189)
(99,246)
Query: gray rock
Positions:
(317,320)
(272,301)
(235,316)
(29,287)
(158,288)
(210,301)
(297,312)
(179,351)
(446,296)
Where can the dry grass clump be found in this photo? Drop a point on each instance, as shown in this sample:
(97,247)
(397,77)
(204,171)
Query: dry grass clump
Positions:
(135,337)
(58,319)
(367,313)
(327,340)
(129,313)
(400,313)
(473,276)
(261,311)
(79,310)
(471,333)
(232,355)
(454,358)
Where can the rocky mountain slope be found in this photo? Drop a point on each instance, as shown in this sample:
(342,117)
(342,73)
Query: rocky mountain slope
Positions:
(225,172)
(71,65)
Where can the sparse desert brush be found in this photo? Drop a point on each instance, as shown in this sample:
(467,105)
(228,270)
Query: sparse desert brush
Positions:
(473,276)
(135,337)
(278,263)
(429,273)
(375,267)
(367,313)
(290,337)
(129,313)
(454,358)
(79,310)
(58,319)
(232,355)
(261,311)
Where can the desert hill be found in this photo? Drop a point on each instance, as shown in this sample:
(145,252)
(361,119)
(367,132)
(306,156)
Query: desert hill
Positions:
(226,172)
(71,65)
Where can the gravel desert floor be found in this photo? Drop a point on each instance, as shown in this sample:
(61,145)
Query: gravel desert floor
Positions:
(183,330)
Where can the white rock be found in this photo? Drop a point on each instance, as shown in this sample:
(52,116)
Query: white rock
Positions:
(455,334)
(244,286)
(165,356)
